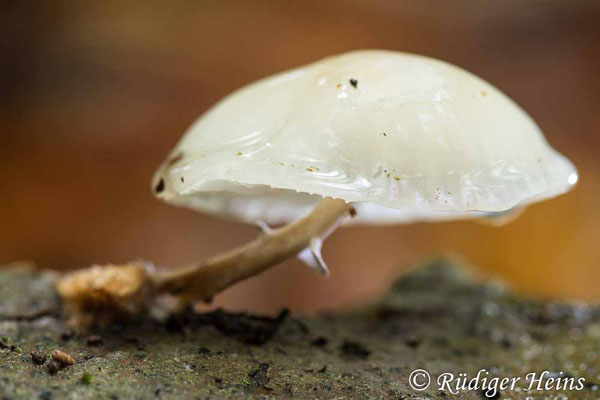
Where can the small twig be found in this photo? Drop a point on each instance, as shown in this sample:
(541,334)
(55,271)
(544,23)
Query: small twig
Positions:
(205,279)
(101,293)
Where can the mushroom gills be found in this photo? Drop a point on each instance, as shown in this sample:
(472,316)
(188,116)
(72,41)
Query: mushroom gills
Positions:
(500,218)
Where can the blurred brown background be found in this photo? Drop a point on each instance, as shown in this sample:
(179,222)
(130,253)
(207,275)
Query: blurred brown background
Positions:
(96,93)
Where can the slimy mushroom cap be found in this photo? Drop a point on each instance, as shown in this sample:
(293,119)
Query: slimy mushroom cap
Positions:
(403,137)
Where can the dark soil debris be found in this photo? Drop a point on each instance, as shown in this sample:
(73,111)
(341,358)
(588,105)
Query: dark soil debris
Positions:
(38,358)
(354,350)
(259,375)
(413,342)
(54,367)
(483,394)
(67,335)
(248,329)
(319,342)
(94,341)
(45,395)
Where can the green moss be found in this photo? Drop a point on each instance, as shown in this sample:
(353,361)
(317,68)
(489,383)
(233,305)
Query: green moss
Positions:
(86,378)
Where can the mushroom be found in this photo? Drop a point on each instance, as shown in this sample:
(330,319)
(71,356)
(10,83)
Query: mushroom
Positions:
(385,137)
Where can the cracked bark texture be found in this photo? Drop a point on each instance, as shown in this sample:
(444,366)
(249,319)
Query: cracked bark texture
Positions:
(434,318)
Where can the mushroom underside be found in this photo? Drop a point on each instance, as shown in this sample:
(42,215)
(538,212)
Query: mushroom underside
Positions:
(263,204)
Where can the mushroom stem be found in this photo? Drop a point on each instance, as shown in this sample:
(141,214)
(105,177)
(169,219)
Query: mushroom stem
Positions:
(205,279)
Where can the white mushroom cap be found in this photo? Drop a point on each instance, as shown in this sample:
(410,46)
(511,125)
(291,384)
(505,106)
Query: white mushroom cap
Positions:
(403,137)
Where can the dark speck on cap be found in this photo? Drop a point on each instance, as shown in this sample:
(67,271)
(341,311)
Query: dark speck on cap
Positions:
(161,186)
(354,83)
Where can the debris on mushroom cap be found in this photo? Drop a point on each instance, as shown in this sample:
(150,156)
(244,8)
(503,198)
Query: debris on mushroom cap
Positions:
(454,145)
(102,293)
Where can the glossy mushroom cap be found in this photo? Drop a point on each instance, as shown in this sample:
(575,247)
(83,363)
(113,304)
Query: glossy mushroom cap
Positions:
(404,137)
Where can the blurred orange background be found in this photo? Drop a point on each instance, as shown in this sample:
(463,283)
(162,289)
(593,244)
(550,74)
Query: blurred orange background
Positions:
(95,94)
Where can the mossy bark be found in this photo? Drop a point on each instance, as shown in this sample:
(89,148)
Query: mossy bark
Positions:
(435,319)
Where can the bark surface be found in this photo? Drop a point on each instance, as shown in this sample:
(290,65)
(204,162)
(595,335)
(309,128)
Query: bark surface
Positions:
(434,318)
